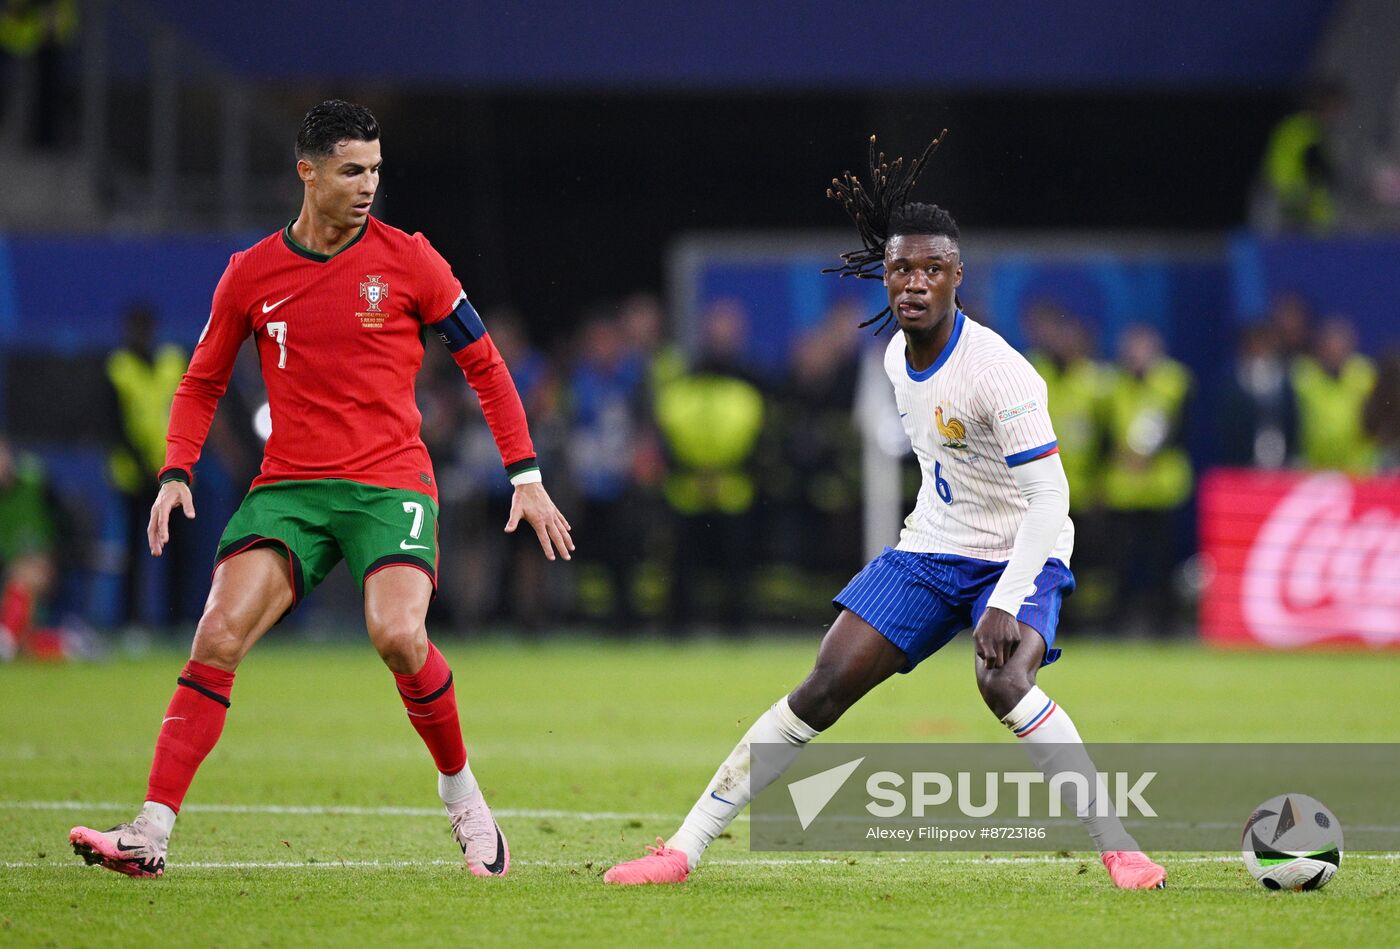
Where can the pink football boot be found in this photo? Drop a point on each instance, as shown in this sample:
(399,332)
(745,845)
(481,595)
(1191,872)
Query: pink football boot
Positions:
(662,864)
(136,849)
(1132,870)
(483,845)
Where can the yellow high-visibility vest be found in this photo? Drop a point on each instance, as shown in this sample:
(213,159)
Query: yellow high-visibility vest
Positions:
(1302,200)
(1330,408)
(144,392)
(711,425)
(1145,472)
(23,27)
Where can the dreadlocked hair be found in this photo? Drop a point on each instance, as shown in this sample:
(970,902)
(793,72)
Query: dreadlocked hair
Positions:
(919,218)
(883,210)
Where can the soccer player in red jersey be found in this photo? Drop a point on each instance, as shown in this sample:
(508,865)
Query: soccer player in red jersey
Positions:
(336,303)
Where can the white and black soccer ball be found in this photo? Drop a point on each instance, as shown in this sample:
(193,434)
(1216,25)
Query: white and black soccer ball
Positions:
(1292,842)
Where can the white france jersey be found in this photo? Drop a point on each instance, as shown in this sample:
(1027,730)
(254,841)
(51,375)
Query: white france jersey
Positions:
(976,413)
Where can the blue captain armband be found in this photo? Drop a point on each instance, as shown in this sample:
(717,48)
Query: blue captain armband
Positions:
(461,327)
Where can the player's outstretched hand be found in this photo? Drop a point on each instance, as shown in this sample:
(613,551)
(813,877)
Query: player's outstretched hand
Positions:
(996,637)
(531,502)
(172,494)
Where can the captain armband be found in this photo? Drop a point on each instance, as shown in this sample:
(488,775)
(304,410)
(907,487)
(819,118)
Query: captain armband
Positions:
(462,326)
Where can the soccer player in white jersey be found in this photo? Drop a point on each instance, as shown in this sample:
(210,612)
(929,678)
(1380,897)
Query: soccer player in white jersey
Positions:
(987,546)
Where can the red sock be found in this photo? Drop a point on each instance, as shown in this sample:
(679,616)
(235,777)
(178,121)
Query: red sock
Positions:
(432,708)
(16,610)
(193,722)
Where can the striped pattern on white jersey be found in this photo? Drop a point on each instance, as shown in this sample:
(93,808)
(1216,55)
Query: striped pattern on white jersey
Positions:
(977,412)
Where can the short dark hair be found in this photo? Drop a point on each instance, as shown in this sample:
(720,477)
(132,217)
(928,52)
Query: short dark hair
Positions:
(331,123)
(920,218)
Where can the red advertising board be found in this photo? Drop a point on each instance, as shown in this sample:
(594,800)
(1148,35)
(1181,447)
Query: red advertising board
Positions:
(1300,558)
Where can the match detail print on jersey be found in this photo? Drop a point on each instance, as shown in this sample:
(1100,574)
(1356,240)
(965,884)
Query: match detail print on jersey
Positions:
(375,292)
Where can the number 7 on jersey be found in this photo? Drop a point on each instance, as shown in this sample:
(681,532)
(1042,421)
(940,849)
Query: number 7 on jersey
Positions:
(278,331)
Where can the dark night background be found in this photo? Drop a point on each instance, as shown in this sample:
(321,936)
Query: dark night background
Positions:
(562,199)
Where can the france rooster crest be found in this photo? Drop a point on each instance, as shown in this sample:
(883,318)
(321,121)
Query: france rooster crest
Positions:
(954,432)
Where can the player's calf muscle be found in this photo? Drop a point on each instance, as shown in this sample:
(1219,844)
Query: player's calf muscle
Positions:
(830,689)
(822,698)
(854,658)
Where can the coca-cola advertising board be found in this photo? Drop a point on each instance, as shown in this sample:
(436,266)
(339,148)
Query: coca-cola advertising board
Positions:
(1300,558)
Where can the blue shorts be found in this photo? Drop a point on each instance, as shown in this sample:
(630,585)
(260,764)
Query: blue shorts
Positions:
(920,602)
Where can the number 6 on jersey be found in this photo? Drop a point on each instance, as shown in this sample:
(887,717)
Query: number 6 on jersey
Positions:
(941,485)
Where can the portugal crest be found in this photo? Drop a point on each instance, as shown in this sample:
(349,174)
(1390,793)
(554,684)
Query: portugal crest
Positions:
(373,291)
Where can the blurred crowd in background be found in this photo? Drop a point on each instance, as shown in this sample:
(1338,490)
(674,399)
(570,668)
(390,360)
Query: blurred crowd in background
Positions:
(712,462)
(707,494)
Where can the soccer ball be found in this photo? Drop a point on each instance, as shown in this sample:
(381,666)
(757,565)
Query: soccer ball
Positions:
(1292,842)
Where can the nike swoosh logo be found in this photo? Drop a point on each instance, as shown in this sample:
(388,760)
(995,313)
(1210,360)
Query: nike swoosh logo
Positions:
(720,799)
(500,864)
(268,308)
(172,718)
(124,848)
(405,545)
(902,414)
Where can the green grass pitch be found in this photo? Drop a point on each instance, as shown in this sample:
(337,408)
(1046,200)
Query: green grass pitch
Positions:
(314,822)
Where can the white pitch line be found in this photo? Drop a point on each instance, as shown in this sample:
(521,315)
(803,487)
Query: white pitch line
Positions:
(930,859)
(335,810)
(350,810)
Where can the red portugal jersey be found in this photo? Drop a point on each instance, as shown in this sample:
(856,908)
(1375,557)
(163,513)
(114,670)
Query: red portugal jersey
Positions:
(340,340)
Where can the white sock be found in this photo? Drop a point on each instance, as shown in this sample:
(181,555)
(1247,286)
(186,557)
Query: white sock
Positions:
(1054,746)
(455,788)
(161,816)
(731,789)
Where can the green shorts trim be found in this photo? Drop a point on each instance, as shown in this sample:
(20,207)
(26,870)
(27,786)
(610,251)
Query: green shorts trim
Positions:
(317,523)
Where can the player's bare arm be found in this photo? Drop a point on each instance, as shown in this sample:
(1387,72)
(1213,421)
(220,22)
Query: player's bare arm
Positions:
(531,503)
(172,494)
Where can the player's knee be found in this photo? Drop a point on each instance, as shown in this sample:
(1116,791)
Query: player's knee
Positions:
(402,644)
(1002,688)
(219,640)
(822,698)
